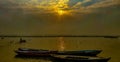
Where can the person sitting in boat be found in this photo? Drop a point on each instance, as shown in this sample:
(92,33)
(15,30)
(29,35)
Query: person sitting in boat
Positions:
(22,41)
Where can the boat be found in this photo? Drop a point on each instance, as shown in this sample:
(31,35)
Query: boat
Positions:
(66,58)
(34,52)
(111,37)
(27,51)
(80,52)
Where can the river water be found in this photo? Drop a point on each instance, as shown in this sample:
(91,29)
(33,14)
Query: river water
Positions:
(110,47)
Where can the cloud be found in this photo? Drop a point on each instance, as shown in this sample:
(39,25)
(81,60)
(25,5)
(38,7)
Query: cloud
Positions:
(88,6)
(73,2)
(105,3)
(37,17)
(49,6)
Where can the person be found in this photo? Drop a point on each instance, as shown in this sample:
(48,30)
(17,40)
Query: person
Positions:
(22,41)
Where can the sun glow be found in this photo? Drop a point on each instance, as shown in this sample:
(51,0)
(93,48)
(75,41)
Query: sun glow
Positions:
(61,12)
(61,6)
(50,6)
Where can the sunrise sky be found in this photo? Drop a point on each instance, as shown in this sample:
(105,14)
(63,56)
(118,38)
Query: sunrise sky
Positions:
(67,17)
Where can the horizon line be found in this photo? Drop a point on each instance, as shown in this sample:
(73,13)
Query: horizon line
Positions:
(105,36)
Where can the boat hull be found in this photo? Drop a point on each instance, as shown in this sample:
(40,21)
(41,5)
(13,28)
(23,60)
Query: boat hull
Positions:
(29,53)
(81,52)
(74,59)
(41,52)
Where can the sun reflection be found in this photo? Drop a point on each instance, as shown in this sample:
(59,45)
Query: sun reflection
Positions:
(61,44)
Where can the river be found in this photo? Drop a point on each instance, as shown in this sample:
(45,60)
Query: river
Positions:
(110,47)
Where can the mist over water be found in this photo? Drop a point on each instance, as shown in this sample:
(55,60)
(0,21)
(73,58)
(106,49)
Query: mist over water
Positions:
(109,46)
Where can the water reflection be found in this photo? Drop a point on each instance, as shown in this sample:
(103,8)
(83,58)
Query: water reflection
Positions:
(61,44)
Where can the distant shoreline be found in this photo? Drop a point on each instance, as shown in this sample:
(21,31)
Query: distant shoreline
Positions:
(104,36)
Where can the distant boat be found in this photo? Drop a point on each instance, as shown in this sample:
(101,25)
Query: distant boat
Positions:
(66,58)
(22,41)
(111,36)
(39,52)
(80,52)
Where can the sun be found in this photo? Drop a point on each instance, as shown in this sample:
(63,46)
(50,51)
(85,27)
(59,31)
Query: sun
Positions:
(60,7)
(60,12)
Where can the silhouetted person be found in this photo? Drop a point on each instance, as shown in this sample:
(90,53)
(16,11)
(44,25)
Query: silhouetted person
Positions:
(22,41)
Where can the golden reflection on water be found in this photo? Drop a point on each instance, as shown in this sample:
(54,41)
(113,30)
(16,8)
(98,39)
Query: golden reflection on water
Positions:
(61,44)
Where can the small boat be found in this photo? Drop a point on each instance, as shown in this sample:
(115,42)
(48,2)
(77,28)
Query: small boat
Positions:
(79,59)
(80,52)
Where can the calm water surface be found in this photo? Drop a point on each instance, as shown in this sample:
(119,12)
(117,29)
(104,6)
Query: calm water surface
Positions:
(110,47)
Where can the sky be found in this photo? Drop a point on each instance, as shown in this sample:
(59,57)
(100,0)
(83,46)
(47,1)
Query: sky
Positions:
(59,17)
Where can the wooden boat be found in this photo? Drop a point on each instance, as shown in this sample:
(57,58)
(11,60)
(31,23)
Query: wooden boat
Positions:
(26,51)
(80,52)
(34,52)
(66,58)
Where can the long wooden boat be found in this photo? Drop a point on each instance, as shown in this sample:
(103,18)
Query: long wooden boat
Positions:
(80,52)
(28,49)
(35,52)
(66,58)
